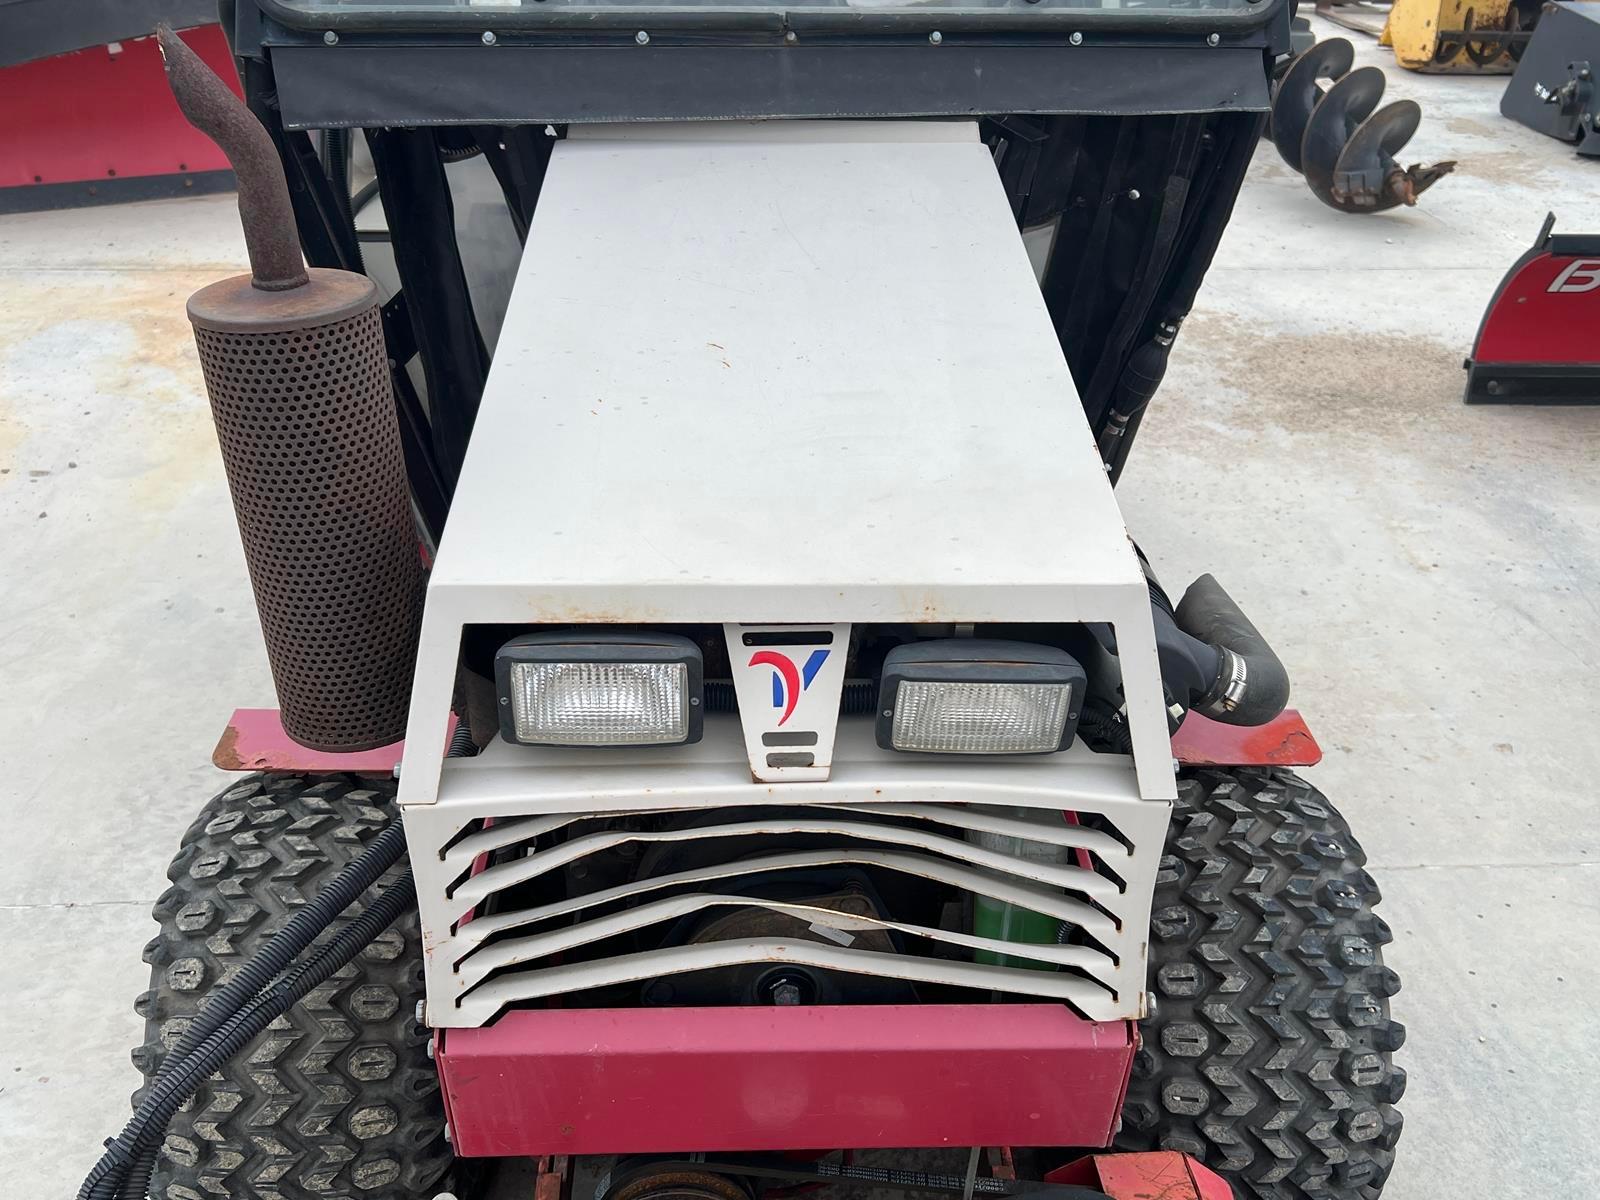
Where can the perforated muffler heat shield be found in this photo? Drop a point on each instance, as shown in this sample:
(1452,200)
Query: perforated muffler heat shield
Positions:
(300,390)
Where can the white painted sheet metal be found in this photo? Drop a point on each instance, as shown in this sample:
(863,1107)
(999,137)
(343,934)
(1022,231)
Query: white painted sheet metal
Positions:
(803,374)
(486,948)
(780,374)
(788,723)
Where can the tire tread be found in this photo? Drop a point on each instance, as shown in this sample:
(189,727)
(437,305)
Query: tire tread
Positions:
(1269,1057)
(337,1097)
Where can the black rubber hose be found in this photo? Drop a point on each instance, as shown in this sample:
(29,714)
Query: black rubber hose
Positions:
(1135,389)
(363,197)
(1189,666)
(169,1092)
(1251,686)
(461,743)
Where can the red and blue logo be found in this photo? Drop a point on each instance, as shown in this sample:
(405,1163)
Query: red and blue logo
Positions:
(789,680)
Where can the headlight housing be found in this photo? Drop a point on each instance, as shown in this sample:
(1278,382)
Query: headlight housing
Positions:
(600,688)
(974,696)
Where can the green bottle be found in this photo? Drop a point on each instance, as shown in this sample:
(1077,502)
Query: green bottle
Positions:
(1008,922)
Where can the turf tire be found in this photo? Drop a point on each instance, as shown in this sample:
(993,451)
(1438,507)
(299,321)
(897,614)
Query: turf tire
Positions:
(337,1098)
(1269,1056)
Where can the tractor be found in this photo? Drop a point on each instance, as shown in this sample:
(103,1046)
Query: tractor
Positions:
(728,742)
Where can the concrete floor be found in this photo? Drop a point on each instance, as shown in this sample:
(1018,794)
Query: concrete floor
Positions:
(1428,571)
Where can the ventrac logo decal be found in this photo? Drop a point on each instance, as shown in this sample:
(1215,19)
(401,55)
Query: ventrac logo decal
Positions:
(789,680)
(1581,275)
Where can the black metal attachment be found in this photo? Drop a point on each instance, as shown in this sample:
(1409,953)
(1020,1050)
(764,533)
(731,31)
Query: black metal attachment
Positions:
(1554,90)
(1333,137)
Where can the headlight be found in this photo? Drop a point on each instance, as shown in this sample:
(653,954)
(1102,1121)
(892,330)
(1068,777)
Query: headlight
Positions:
(966,696)
(599,689)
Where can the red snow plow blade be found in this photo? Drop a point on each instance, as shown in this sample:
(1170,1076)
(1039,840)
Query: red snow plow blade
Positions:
(1537,343)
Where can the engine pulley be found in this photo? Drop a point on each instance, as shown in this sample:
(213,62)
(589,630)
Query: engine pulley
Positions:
(651,1179)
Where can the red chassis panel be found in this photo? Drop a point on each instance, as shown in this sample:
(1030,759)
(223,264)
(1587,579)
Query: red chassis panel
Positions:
(666,1080)
(1284,741)
(255,741)
(1154,1175)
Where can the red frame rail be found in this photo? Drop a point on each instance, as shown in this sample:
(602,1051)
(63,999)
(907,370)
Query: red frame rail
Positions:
(255,741)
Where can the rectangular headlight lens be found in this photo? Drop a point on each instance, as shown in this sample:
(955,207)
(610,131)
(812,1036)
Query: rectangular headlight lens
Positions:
(600,703)
(979,696)
(600,687)
(980,718)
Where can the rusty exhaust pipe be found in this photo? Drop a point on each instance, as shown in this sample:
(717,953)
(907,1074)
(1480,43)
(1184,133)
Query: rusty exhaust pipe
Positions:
(264,209)
(298,377)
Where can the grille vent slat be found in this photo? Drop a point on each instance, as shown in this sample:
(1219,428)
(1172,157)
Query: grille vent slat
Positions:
(506,948)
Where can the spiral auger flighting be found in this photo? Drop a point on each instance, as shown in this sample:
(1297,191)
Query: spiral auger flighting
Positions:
(1339,143)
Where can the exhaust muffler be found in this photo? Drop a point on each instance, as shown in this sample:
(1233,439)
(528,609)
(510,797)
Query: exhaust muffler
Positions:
(298,377)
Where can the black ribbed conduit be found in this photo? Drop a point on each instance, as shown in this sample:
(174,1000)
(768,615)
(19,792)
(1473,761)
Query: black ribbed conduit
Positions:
(141,1138)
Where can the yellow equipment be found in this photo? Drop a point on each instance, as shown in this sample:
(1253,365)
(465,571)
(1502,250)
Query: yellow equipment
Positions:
(1456,36)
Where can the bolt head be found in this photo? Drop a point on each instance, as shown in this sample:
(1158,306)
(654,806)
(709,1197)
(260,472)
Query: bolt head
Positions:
(1213,39)
(489,38)
(786,995)
(642,38)
(936,37)
(331,38)
(791,37)
(1076,39)
(1133,193)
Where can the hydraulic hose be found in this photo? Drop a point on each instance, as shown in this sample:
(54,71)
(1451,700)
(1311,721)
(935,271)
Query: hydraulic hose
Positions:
(1137,387)
(142,1136)
(1251,686)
